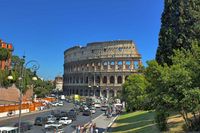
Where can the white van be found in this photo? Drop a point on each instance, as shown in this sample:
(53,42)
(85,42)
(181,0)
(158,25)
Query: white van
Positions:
(8,129)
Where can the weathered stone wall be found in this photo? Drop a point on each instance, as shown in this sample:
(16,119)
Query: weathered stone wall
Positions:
(12,94)
(100,68)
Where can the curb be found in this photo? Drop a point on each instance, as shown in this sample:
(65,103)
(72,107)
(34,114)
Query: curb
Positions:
(24,114)
(111,123)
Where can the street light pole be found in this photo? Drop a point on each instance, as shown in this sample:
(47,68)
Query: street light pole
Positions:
(34,66)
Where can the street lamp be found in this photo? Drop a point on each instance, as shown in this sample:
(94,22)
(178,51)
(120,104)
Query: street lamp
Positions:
(34,66)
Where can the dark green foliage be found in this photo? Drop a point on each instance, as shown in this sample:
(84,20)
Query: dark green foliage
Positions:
(4,54)
(41,88)
(134,92)
(180,27)
(161,120)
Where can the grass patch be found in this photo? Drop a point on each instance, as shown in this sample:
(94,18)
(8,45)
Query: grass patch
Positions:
(135,122)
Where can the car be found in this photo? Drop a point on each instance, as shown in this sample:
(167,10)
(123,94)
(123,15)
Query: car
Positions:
(51,117)
(8,129)
(54,128)
(40,121)
(87,112)
(64,121)
(72,114)
(24,126)
(93,110)
(104,107)
(97,105)
(54,104)
(60,103)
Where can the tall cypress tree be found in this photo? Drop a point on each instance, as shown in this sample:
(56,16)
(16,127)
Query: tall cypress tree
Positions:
(180,27)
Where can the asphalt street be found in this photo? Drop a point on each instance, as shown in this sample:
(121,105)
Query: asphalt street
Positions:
(81,120)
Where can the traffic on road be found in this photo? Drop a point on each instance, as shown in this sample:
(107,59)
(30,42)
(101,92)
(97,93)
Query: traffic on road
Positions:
(64,116)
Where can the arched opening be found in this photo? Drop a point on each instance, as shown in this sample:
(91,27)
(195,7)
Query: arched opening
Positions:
(104,93)
(128,63)
(86,92)
(105,80)
(112,65)
(81,92)
(112,79)
(98,79)
(97,92)
(86,80)
(77,80)
(119,79)
(105,65)
(111,93)
(119,65)
(126,78)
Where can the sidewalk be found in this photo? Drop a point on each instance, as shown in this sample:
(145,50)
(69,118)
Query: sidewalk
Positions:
(102,123)
(25,114)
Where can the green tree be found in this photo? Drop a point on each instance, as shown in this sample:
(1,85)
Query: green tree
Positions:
(4,54)
(180,27)
(134,92)
(176,87)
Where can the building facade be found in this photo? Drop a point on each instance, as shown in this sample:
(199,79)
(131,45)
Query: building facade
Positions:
(58,83)
(99,68)
(6,64)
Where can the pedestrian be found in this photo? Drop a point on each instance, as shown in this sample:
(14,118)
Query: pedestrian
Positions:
(78,129)
(91,128)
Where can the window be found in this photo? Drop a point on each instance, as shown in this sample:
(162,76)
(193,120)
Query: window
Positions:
(112,80)
(119,49)
(104,79)
(119,79)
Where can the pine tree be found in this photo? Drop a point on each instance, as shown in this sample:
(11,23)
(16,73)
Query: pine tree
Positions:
(180,27)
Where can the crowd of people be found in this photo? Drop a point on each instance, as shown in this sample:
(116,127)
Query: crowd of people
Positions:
(91,128)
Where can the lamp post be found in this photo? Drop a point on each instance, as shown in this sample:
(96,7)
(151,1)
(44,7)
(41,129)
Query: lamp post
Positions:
(34,66)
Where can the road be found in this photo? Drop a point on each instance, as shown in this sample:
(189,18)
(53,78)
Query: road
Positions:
(81,120)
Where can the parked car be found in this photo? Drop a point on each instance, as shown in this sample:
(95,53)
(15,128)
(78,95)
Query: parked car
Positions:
(24,126)
(64,121)
(72,114)
(54,128)
(60,103)
(87,112)
(40,120)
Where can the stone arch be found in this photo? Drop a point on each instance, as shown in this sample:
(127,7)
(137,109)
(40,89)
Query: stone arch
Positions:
(81,92)
(105,80)
(97,92)
(86,80)
(111,93)
(119,65)
(105,65)
(128,64)
(98,79)
(126,77)
(119,79)
(112,79)
(104,93)
(86,92)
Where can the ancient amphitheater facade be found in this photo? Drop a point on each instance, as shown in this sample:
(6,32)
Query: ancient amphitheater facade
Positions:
(99,68)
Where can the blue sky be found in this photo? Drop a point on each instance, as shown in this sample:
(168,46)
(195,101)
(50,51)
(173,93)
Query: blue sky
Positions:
(44,29)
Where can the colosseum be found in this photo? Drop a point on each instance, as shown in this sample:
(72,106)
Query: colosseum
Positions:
(99,68)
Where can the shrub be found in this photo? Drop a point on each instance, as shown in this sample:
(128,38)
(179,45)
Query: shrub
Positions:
(161,120)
